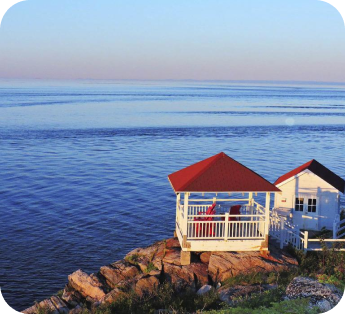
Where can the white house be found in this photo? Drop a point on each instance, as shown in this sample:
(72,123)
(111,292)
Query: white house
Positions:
(310,196)
(217,209)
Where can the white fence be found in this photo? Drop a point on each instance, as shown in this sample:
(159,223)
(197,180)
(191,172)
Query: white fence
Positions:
(286,233)
(338,228)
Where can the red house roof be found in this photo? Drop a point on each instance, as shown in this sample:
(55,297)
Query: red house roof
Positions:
(219,173)
(320,170)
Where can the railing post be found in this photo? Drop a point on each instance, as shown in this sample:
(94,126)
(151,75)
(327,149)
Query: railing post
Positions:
(305,240)
(282,231)
(185,214)
(335,230)
(226,226)
(178,201)
(267,213)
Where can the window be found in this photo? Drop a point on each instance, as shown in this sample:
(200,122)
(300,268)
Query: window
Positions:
(312,205)
(299,204)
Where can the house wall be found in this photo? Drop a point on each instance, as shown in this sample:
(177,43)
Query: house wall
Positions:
(308,183)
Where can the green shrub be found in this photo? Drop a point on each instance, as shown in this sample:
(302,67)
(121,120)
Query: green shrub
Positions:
(132,259)
(298,306)
(261,299)
(150,267)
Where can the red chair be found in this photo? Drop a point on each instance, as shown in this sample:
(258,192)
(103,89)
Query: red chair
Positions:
(235,210)
(208,227)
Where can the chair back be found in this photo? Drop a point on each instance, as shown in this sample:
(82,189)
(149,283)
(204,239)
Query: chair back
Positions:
(211,209)
(235,210)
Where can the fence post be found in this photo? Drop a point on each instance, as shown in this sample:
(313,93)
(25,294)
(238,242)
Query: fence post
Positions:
(305,240)
(282,230)
(335,229)
(226,226)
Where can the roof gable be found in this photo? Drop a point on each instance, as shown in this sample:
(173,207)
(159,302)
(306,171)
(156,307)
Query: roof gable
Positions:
(219,173)
(320,170)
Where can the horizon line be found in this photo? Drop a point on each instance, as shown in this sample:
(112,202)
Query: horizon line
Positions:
(176,80)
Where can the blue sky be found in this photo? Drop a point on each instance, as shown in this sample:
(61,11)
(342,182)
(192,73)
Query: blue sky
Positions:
(300,40)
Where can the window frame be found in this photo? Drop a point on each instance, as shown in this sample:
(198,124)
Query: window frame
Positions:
(312,206)
(299,204)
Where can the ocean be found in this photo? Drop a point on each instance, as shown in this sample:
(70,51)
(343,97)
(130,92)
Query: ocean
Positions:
(84,164)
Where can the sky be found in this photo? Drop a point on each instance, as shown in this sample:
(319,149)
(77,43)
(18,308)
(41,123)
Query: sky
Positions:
(285,40)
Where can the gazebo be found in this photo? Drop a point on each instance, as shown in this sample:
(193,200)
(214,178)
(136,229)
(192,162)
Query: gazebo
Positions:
(216,209)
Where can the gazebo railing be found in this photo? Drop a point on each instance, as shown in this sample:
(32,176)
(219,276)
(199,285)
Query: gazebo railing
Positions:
(249,225)
(222,228)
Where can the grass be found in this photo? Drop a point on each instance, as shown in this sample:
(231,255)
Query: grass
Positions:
(281,278)
(150,267)
(298,306)
(132,259)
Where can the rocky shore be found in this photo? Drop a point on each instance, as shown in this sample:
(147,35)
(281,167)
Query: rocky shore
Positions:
(144,269)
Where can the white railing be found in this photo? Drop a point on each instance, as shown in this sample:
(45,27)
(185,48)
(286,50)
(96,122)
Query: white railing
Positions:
(259,209)
(287,233)
(338,228)
(196,209)
(221,228)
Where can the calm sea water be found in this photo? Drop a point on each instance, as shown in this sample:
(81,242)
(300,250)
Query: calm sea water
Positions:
(84,164)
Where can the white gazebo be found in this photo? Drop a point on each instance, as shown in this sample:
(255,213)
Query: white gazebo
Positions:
(216,209)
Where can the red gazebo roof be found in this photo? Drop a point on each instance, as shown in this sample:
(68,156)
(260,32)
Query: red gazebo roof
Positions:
(320,170)
(219,173)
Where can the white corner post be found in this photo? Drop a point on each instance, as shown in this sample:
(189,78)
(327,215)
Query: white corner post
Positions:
(185,257)
(306,235)
(267,212)
(185,218)
(178,214)
(264,245)
(335,229)
(250,204)
(282,232)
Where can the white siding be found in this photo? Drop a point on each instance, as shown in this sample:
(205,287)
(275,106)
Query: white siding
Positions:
(307,183)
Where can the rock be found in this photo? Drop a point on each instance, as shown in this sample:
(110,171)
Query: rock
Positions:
(119,272)
(71,297)
(223,265)
(172,257)
(146,285)
(324,305)
(179,277)
(173,243)
(60,305)
(47,305)
(204,289)
(142,257)
(200,272)
(112,296)
(77,310)
(87,286)
(31,310)
(324,296)
(205,257)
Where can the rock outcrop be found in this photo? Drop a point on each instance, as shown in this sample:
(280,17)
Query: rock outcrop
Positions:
(223,265)
(144,269)
(88,286)
(324,296)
